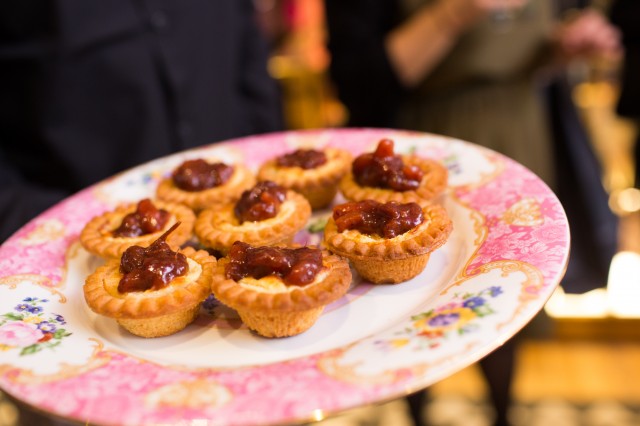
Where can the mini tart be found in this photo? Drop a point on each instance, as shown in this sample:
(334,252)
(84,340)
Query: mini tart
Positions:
(152,313)
(433,183)
(318,185)
(273,309)
(97,235)
(218,228)
(241,179)
(391,260)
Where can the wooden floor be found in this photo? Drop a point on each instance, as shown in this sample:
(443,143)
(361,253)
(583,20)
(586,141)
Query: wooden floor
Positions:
(580,372)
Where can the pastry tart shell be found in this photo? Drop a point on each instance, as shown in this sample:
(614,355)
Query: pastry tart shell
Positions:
(285,313)
(318,185)
(280,323)
(241,179)
(432,185)
(218,228)
(391,260)
(390,271)
(97,235)
(151,313)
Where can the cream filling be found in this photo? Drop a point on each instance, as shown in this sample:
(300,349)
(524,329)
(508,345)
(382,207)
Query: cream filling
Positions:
(229,222)
(236,177)
(299,172)
(112,280)
(357,236)
(274,284)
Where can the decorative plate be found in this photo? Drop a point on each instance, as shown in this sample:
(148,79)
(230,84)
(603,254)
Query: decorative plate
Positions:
(505,257)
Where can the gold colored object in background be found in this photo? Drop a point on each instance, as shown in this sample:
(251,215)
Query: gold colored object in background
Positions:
(300,62)
(308,99)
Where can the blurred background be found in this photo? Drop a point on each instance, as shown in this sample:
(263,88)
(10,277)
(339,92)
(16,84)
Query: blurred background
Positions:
(578,364)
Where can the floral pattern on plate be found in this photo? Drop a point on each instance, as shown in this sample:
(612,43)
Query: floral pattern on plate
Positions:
(505,257)
(29,330)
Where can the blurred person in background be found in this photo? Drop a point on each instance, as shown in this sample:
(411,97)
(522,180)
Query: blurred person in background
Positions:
(625,14)
(470,69)
(91,88)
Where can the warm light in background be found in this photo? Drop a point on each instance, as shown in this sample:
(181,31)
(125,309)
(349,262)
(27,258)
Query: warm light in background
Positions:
(625,201)
(620,299)
(592,304)
(623,288)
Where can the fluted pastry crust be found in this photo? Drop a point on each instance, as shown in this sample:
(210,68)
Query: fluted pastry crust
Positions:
(330,285)
(241,179)
(182,294)
(433,183)
(423,239)
(97,235)
(319,185)
(218,228)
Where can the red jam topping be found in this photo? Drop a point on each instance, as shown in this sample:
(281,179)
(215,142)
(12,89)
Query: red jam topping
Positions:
(151,268)
(147,219)
(303,158)
(260,203)
(384,169)
(297,266)
(198,175)
(370,217)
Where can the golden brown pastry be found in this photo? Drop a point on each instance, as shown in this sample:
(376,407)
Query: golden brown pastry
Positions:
(110,234)
(279,291)
(313,173)
(199,184)
(152,291)
(387,242)
(384,176)
(265,215)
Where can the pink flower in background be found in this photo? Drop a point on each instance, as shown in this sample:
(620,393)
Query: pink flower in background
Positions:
(19,334)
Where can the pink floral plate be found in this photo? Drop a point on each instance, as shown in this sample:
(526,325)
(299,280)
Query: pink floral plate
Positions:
(505,257)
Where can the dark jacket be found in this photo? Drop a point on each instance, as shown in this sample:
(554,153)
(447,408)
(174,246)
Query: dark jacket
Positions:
(362,73)
(90,88)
